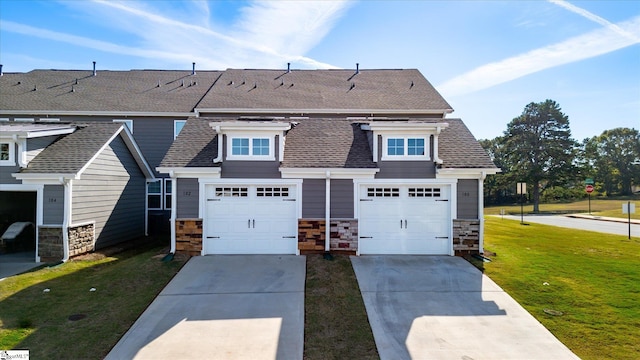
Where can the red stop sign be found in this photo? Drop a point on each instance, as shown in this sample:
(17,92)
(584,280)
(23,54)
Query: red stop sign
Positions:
(589,189)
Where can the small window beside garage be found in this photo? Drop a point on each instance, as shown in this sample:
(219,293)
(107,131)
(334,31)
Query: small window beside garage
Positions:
(232,192)
(272,192)
(383,192)
(424,192)
(154,195)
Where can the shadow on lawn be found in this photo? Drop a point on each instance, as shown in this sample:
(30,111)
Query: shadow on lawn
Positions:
(64,316)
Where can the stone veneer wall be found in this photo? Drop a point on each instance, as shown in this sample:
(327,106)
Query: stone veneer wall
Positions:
(81,239)
(344,235)
(50,243)
(466,237)
(311,235)
(189,236)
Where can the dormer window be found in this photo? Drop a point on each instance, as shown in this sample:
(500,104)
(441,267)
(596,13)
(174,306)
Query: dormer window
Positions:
(405,148)
(250,148)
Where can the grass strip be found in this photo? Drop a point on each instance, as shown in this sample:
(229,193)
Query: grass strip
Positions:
(35,307)
(336,323)
(591,278)
(599,207)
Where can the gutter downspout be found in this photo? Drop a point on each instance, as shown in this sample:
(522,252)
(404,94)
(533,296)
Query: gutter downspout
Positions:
(327,212)
(66,219)
(22,149)
(218,158)
(481,211)
(436,159)
(172,219)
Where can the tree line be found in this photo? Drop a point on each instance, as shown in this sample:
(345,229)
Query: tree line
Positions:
(537,148)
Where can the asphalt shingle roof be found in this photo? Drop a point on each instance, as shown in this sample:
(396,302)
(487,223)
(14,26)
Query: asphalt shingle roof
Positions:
(135,90)
(403,89)
(458,148)
(71,152)
(195,146)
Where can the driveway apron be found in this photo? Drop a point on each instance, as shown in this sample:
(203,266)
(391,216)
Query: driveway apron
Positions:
(442,307)
(224,307)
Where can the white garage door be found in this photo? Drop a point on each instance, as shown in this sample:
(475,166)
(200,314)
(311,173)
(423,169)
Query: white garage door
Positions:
(405,219)
(251,219)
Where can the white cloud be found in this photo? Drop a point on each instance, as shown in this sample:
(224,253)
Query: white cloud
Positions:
(592,44)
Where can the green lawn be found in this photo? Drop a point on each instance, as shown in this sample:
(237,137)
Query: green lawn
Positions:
(599,207)
(125,284)
(592,278)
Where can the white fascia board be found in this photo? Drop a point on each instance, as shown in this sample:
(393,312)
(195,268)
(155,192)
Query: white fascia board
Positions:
(21,187)
(195,172)
(37,133)
(465,173)
(402,126)
(298,112)
(331,173)
(97,113)
(405,181)
(136,152)
(243,126)
(43,178)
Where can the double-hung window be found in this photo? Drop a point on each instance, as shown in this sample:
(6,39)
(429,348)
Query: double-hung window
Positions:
(405,148)
(7,154)
(250,148)
(159,194)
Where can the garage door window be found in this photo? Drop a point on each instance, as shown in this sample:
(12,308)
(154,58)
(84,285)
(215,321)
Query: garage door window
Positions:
(424,192)
(383,192)
(272,192)
(232,192)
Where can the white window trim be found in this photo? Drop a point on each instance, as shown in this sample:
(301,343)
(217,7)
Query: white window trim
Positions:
(12,154)
(164,204)
(49,120)
(128,123)
(4,119)
(175,126)
(405,157)
(23,119)
(251,137)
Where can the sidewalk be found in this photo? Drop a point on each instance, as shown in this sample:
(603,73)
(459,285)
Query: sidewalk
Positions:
(602,218)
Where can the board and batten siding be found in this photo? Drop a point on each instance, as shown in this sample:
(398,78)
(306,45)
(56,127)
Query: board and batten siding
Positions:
(342,199)
(111,193)
(313,198)
(187,201)
(467,195)
(53,205)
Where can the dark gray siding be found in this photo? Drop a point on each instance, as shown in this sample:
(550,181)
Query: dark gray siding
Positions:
(6,171)
(467,199)
(53,205)
(250,169)
(154,137)
(404,169)
(313,198)
(341,199)
(36,145)
(111,193)
(187,202)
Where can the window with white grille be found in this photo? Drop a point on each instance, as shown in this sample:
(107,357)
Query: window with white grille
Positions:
(424,192)
(232,192)
(272,191)
(383,192)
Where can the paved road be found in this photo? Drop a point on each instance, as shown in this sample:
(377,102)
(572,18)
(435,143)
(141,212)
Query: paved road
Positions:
(442,307)
(582,224)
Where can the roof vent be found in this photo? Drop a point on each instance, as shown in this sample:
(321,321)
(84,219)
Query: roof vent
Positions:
(182,83)
(411,86)
(288,68)
(0,69)
(357,68)
(230,83)
(193,69)
(73,88)
(35,87)
(158,84)
(353,85)
(94,68)
(76,83)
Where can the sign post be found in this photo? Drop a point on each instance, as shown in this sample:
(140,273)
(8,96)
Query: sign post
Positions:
(589,189)
(629,209)
(522,190)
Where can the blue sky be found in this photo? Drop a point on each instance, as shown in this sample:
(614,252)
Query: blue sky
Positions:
(487,58)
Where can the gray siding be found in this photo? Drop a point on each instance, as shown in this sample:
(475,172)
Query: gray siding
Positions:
(342,199)
(53,205)
(250,169)
(405,169)
(111,193)
(313,198)
(467,199)
(36,145)
(187,202)
(154,137)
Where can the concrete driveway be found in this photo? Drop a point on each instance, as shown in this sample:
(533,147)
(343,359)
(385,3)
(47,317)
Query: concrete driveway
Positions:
(224,307)
(442,307)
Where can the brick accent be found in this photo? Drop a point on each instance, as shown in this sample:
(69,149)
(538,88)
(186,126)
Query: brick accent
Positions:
(81,239)
(189,236)
(311,235)
(50,243)
(466,237)
(344,235)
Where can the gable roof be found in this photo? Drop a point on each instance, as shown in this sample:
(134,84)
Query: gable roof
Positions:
(403,90)
(72,153)
(195,146)
(66,91)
